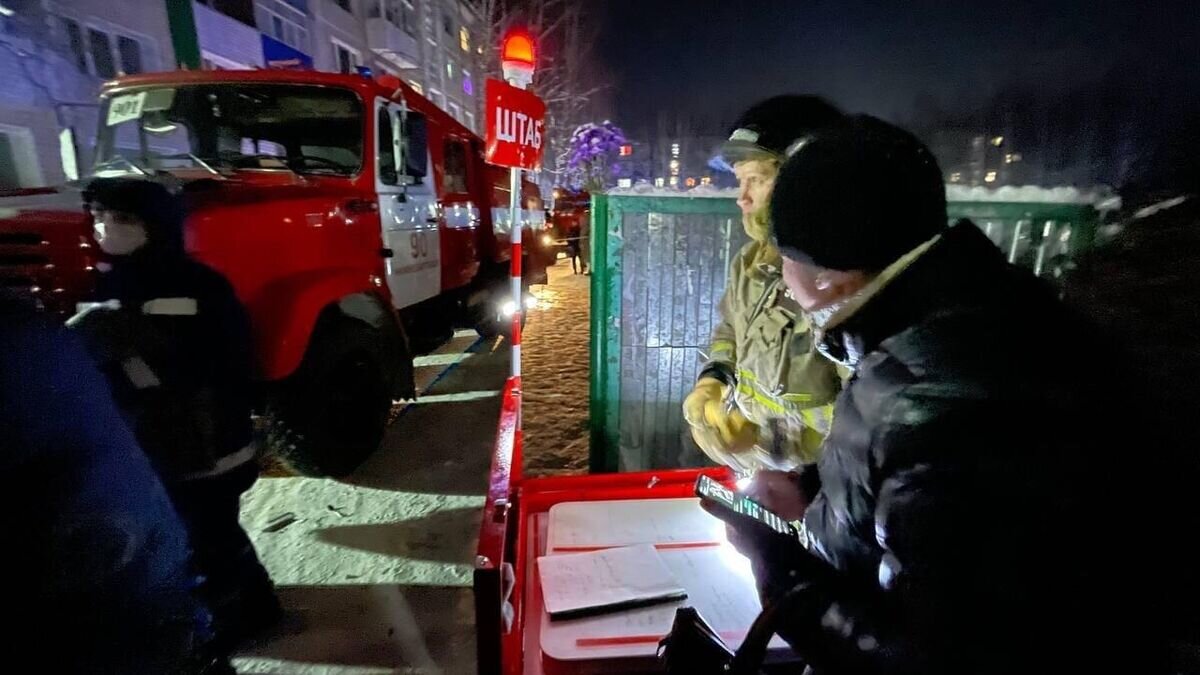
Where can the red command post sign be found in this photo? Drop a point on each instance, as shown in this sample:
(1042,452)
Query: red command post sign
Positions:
(515,122)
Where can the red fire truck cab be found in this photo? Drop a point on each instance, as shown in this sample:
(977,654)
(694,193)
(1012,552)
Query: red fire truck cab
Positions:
(357,222)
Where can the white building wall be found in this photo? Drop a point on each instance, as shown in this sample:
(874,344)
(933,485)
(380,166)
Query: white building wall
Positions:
(48,86)
(332,24)
(226,42)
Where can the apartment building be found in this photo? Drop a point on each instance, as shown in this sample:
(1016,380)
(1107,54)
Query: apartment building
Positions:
(53,58)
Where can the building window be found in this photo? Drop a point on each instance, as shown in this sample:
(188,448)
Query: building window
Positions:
(468,86)
(624,182)
(707,180)
(674,149)
(660,181)
(447,25)
(346,58)
(75,42)
(674,182)
(387,159)
(131,55)
(410,18)
(449,70)
(417,87)
(470,122)
(437,98)
(455,111)
(464,39)
(284,23)
(102,57)
(456,166)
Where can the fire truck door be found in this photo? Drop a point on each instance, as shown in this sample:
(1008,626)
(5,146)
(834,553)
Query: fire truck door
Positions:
(407,205)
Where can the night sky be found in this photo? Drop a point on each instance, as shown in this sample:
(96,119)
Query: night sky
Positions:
(710,58)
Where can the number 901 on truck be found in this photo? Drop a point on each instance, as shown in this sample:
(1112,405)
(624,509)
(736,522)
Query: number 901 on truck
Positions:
(357,222)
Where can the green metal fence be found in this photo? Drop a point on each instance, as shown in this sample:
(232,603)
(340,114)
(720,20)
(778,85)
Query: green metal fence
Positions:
(659,269)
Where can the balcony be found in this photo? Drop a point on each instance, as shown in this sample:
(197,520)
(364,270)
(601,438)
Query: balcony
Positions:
(392,44)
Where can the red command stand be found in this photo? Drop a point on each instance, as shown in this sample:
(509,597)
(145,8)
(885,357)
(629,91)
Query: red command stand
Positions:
(507,599)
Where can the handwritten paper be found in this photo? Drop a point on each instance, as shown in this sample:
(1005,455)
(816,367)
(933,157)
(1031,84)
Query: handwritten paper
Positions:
(576,584)
(585,526)
(720,586)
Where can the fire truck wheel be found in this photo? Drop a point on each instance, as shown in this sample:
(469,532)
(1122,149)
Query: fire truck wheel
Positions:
(335,408)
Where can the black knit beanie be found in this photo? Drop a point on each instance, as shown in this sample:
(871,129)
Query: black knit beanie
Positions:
(857,196)
(161,211)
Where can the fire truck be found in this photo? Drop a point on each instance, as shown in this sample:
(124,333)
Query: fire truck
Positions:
(357,222)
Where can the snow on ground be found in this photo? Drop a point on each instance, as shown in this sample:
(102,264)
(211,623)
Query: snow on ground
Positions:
(375,570)
(554,363)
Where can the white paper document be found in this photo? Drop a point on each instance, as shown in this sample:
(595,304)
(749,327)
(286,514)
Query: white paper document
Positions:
(670,523)
(720,586)
(578,584)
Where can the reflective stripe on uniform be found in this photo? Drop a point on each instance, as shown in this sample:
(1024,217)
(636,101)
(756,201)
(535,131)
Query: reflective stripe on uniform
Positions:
(818,417)
(170,307)
(721,348)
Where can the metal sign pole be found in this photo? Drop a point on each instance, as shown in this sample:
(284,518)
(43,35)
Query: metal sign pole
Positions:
(514,210)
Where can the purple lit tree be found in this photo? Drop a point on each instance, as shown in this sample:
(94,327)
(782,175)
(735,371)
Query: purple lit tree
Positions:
(591,148)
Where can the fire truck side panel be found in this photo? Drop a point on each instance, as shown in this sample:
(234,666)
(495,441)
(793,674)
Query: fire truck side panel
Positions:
(412,251)
(289,254)
(449,148)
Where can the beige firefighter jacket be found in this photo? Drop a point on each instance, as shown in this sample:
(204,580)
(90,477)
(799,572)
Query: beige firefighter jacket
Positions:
(763,346)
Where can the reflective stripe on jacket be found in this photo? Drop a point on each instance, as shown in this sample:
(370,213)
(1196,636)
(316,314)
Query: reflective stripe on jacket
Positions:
(764,345)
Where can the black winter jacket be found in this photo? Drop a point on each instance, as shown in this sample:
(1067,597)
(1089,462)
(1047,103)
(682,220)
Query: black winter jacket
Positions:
(183,321)
(970,497)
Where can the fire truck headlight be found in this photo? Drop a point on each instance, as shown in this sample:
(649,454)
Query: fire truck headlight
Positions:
(508,309)
(531,302)
(547,240)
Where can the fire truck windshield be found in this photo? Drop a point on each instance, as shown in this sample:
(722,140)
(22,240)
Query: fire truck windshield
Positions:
(229,127)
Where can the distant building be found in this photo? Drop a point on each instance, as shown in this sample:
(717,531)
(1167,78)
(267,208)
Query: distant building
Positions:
(54,55)
(685,161)
(434,45)
(978,159)
(53,58)
(633,164)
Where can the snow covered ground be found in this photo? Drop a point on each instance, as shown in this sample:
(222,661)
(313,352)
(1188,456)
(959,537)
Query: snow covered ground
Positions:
(375,570)
(554,355)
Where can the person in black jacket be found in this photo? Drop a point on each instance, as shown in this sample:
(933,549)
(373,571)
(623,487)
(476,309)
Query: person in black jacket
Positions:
(973,506)
(176,346)
(100,576)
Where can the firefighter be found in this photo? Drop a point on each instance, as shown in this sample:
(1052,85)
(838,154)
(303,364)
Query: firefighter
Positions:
(175,344)
(764,397)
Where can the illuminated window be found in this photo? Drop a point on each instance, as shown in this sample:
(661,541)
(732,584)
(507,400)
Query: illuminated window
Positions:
(464,39)
(690,182)
(449,69)
(624,182)
(706,180)
(660,181)
(998,141)
(955,177)
(674,165)
(990,177)
(626,150)
(674,181)
(674,149)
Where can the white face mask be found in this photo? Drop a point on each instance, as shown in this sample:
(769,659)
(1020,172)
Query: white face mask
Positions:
(118,234)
